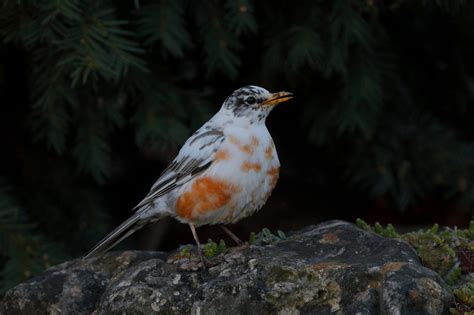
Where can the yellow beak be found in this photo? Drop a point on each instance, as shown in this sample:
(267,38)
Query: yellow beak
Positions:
(277,98)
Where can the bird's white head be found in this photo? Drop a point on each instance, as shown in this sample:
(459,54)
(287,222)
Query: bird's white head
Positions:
(253,103)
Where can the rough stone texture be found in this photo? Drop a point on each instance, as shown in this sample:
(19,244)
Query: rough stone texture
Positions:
(333,267)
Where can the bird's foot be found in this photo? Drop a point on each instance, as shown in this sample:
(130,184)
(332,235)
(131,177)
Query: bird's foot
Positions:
(206,263)
(239,242)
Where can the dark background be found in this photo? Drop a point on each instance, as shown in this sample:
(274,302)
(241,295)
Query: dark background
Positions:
(97,97)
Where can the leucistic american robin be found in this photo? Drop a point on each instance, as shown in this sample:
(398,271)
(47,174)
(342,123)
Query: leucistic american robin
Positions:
(223,173)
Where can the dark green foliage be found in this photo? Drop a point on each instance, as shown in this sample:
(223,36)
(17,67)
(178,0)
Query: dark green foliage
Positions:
(164,22)
(381,87)
(25,253)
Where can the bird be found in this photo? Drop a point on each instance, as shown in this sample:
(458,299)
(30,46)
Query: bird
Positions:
(223,173)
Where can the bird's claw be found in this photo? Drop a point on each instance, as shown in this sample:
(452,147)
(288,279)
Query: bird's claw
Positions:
(206,263)
(239,242)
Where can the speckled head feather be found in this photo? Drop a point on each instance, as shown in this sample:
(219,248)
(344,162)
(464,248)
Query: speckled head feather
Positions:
(254,102)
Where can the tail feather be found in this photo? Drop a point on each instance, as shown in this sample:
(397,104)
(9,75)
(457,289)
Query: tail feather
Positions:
(124,230)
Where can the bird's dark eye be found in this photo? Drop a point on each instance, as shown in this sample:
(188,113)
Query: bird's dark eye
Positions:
(250,100)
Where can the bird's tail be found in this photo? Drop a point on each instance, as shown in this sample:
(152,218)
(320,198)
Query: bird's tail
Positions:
(124,230)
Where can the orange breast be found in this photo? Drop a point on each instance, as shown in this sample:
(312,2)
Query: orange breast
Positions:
(221,155)
(206,194)
(269,153)
(247,166)
(245,148)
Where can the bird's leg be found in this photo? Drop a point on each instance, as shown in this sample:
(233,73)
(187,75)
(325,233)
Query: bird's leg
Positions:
(205,262)
(232,236)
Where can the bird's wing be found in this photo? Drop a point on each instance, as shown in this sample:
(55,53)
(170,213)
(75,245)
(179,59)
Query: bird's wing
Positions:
(195,157)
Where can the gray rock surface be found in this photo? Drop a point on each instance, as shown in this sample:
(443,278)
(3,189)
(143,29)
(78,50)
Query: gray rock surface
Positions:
(333,267)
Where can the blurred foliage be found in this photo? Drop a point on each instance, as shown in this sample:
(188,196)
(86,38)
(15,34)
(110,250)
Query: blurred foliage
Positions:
(184,252)
(464,299)
(387,83)
(211,248)
(24,252)
(266,237)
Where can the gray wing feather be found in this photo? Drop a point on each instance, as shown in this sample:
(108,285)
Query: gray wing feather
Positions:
(194,158)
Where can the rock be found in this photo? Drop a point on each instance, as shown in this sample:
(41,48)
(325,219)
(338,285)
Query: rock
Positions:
(333,267)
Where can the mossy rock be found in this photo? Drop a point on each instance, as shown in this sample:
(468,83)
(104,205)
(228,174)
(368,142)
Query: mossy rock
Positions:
(333,267)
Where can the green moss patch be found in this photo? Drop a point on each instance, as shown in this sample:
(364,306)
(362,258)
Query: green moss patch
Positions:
(448,251)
